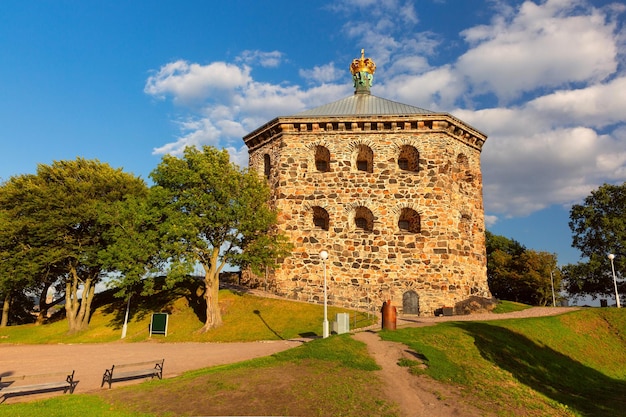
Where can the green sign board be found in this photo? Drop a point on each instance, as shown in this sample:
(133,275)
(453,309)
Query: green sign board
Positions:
(158,324)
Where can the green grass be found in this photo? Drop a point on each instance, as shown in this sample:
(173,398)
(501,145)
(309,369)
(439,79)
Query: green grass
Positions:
(324,377)
(68,405)
(246,318)
(573,364)
(504,306)
(568,365)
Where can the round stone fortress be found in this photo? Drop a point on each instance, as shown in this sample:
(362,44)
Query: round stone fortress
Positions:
(392,192)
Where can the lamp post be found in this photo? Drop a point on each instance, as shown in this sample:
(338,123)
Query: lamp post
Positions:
(552,282)
(323,257)
(611,257)
(125,327)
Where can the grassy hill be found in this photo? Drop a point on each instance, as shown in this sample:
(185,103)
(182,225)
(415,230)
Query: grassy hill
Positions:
(568,365)
(246,318)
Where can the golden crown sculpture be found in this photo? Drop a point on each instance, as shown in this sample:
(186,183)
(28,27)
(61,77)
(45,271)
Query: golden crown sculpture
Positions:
(362,64)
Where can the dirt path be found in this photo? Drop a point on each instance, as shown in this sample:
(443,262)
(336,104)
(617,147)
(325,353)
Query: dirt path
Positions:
(415,395)
(89,360)
(419,396)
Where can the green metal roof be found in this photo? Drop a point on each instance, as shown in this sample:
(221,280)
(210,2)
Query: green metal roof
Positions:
(363,105)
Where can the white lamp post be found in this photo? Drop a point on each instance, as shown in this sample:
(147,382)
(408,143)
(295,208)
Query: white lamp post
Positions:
(611,257)
(125,327)
(552,282)
(323,257)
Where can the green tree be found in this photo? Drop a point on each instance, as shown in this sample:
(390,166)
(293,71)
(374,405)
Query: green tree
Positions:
(598,228)
(55,218)
(19,261)
(132,227)
(214,214)
(518,274)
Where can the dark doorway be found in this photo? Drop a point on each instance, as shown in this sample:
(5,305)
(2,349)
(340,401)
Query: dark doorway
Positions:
(410,303)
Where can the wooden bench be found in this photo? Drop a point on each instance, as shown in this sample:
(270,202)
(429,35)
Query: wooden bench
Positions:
(10,385)
(135,371)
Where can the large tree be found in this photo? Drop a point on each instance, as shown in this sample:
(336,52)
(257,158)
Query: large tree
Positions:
(519,274)
(132,227)
(55,215)
(214,214)
(598,228)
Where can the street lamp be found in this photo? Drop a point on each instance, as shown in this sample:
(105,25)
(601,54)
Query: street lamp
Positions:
(611,257)
(552,281)
(125,327)
(323,257)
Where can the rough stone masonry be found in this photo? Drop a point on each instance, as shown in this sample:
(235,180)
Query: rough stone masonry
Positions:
(392,192)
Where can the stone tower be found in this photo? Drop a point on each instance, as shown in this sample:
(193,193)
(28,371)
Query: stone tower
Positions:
(392,192)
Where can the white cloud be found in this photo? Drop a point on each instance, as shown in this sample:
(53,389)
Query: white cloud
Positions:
(490,220)
(238,156)
(557,132)
(597,105)
(188,83)
(322,74)
(543,45)
(265,59)
(227,103)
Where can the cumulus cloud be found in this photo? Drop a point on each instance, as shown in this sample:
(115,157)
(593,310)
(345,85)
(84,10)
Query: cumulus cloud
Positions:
(190,82)
(322,74)
(543,79)
(542,45)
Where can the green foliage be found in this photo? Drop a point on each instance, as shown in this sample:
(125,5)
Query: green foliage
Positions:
(572,364)
(132,228)
(598,228)
(518,274)
(53,230)
(214,213)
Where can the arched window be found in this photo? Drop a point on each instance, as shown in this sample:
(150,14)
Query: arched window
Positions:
(363,219)
(364,159)
(320,218)
(322,159)
(267,167)
(408,158)
(409,221)
(462,161)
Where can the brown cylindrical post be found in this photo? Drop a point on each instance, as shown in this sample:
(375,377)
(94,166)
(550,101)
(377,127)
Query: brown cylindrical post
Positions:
(389,316)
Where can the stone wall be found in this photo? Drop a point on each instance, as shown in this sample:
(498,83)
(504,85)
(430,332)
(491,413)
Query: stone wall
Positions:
(412,234)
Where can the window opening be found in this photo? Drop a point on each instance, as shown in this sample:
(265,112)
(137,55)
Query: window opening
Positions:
(409,221)
(364,219)
(365,159)
(266,165)
(322,159)
(408,159)
(320,218)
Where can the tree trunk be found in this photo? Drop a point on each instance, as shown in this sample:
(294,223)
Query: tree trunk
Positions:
(43,305)
(211,294)
(71,301)
(89,290)
(6,307)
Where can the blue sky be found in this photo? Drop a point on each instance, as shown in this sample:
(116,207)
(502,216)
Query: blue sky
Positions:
(125,82)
